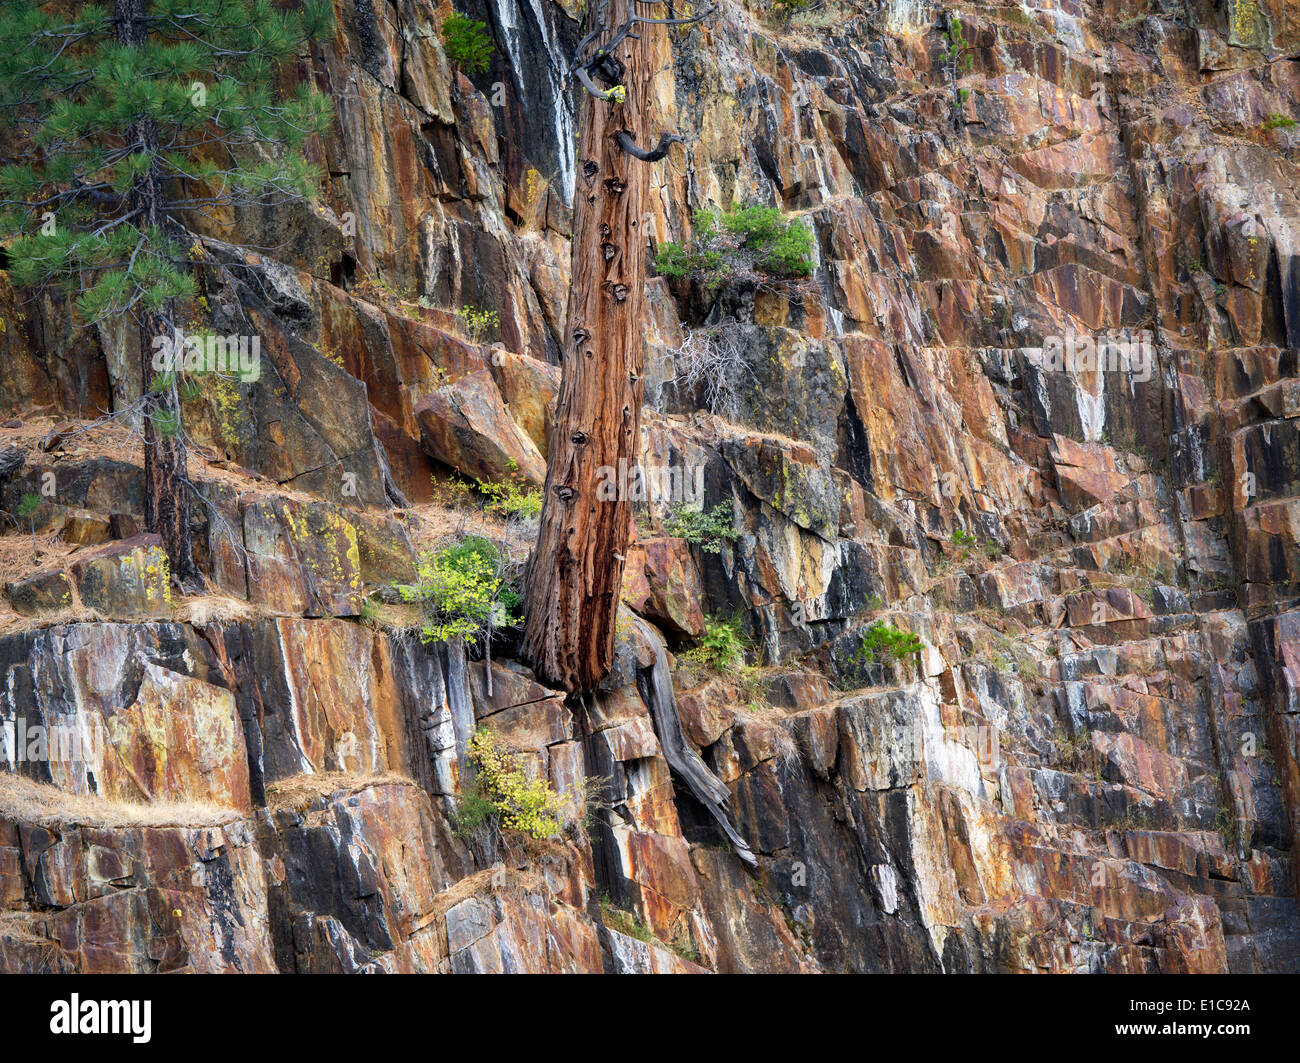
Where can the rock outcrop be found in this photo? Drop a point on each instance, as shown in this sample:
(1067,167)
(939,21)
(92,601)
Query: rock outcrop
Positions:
(1093,762)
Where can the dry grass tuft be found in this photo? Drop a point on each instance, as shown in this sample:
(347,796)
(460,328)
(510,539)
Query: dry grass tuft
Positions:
(32,802)
(12,623)
(23,927)
(769,726)
(215,609)
(435,524)
(20,557)
(302,791)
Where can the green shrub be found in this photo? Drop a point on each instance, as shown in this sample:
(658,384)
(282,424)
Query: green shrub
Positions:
(749,242)
(624,922)
(478,322)
(471,812)
(883,642)
(454,491)
(722,646)
(964,542)
(705,530)
(530,807)
(510,499)
(685,947)
(1278,121)
(462,591)
(466,43)
(29,504)
(27,507)
(1075,752)
(956,52)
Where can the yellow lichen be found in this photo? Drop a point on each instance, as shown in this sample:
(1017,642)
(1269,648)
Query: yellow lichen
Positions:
(1244,14)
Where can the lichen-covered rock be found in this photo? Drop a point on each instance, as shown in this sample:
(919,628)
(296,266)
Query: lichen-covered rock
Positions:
(303,559)
(127,578)
(43,592)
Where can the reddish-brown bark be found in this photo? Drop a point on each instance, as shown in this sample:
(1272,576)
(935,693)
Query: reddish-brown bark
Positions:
(576,570)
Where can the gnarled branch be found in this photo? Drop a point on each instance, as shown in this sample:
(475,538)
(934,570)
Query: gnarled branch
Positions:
(629,145)
(586,67)
(625,30)
(590,85)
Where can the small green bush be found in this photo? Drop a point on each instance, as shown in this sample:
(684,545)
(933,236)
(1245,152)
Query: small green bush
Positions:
(530,807)
(705,530)
(478,322)
(883,642)
(29,504)
(462,591)
(466,43)
(722,646)
(956,52)
(510,499)
(472,812)
(624,922)
(749,242)
(1278,121)
(964,542)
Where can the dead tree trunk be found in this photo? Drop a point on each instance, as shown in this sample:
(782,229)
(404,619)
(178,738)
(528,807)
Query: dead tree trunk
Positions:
(575,573)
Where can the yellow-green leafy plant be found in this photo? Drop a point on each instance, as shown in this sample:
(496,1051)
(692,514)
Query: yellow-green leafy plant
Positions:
(511,499)
(531,807)
(478,321)
(462,590)
(453,491)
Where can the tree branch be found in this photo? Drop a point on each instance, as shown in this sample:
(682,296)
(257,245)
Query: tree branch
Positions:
(629,145)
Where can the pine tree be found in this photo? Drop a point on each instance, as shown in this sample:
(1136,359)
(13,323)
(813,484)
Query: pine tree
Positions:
(117,126)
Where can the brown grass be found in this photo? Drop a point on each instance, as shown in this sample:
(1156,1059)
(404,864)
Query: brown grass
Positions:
(22,556)
(437,524)
(302,791)
(772,723)
(497,879)
(12,623)
(22,926)
(215,608)
(48,806)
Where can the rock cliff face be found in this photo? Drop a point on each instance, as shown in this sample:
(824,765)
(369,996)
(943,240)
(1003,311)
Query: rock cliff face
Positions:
(1093,766)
